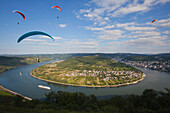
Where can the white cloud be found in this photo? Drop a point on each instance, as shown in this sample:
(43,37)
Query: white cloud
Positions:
(102,23)
(34,40)
(96,14)
(100,28)
(92,15)
(76,42)
(130,9)
(162,1)
(142,42)
(114,8)
(111,34)
(147,42)
(109,3)
(106,18)
(109,27)
(133,28)
(56,38)
(50,44)
(164,22)
(82,49)
(149,23)
(166,32)
(27,42)
(94,28)
(125,24)
(140,34)
(62,25)
(135,6)
(116,43)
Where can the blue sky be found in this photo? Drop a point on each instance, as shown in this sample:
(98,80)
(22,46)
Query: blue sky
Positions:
(86,26)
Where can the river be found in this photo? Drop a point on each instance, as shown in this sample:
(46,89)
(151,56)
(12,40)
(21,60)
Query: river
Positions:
(20,81)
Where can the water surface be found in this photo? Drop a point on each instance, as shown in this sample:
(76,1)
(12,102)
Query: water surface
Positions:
(27,85)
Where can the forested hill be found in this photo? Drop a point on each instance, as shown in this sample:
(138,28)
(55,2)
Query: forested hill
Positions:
(65,56)
(92,60)
(92,63)
(148,58)
(12,62)
(107,55)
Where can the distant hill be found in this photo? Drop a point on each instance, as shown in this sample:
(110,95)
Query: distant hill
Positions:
(65,56)
(157,57)
(119,56)
(90,63)
(12,62)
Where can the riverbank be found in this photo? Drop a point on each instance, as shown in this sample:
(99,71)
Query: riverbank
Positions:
(125,84)
(13,93)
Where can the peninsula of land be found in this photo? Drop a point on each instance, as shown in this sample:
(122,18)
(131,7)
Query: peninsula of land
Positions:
(89,71)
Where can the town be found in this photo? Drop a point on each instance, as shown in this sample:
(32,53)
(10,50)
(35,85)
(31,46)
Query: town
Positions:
(107,75)
(154,65)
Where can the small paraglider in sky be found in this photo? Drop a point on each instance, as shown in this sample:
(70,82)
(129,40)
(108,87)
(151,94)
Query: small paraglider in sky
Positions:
(57,8)
(154,20)
(23,16)
(33,33)
(155,23)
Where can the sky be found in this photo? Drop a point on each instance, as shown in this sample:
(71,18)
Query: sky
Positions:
(86,26)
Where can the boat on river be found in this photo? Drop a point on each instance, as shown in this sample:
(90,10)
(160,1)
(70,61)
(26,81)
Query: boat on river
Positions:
(44,87)
(20,74)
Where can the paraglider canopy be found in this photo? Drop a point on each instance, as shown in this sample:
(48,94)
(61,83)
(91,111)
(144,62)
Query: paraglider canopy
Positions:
(33,33)
(19,13)
(154,20)
(57,8)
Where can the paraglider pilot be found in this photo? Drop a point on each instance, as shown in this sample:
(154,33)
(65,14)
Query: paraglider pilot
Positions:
(38,60)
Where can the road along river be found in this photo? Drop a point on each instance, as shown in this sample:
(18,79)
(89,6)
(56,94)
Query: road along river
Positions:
(19,80)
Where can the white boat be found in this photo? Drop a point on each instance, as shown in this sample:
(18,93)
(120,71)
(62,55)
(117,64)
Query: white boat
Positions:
(44,87)
(20,74)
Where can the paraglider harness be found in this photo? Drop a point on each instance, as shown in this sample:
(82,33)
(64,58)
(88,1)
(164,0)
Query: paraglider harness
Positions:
(38,60)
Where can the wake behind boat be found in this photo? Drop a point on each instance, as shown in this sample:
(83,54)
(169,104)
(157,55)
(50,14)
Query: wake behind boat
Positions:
(44,87)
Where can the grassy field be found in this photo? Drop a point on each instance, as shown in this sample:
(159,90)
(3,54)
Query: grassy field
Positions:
(2,93)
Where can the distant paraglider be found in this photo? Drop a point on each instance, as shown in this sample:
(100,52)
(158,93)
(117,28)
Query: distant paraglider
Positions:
(23,16)
(154,20)
(57,8)
(155,23)
(33,33)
